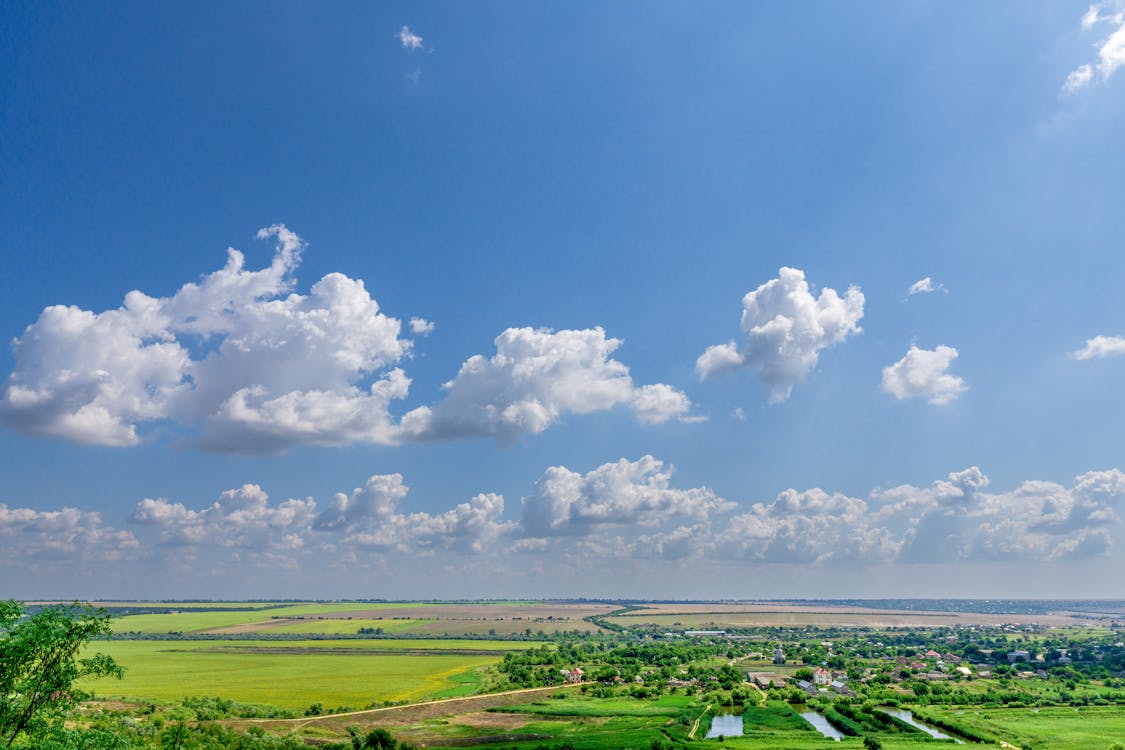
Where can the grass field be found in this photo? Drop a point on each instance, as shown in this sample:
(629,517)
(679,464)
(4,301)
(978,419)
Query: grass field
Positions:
(295,674)
(1053,728)
(189,621)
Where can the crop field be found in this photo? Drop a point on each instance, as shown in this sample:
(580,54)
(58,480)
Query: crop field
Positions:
(295,674)
(766,614)
(486,618)
(336,626)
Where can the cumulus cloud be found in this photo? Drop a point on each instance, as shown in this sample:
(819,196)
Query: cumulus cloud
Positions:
(624,493)
(259,367)
(1100,347)
(924,286)
(923,373)
(241,518)
(409,39)
(421,327)
(785,327)
(956,519)
(952,520)
(369,518)
(535,378)
(810,526)
(28,536)
(1111,49)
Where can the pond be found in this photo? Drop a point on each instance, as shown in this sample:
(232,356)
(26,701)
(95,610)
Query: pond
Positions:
(908,717)
(725,725)
(821,725)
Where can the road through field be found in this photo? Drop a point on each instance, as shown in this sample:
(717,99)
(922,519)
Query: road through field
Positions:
(459,705)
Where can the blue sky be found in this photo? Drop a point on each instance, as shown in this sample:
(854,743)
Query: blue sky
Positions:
(542,172)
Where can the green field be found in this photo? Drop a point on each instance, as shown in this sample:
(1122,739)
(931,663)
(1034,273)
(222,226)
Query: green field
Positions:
(295,674)
(1059,727)
(338,626)
(188,621)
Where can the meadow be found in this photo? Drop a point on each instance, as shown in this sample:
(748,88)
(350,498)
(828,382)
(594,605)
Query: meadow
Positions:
(293,674)
(1045,728)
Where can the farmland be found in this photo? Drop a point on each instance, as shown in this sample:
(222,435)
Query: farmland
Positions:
(455,674)
(291,677)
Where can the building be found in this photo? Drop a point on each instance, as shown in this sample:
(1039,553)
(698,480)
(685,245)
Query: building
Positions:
(573,675)
(822,676)
(778,656)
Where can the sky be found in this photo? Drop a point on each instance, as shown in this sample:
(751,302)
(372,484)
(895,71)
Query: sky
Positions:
(419,300)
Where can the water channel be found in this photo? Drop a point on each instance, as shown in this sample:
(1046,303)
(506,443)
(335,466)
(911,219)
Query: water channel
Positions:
(821,725)
(908,717)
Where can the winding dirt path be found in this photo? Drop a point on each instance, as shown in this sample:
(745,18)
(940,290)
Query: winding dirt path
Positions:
(695,726)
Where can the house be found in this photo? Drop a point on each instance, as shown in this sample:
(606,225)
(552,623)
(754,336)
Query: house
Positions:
(778,656)
(822,676)
(808,687)
(964,671)
(766,679)
(931,654)
(573,676)
(1018,656)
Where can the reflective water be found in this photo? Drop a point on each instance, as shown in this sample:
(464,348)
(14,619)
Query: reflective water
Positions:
(726,725)
(908,717)
(821,725)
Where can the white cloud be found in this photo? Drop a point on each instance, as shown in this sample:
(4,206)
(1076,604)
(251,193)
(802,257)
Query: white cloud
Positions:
(957,520)
(1111,50)
(409,39)
(369,518)
(739,414)
(952,520)
(1090,17)
(536,377)
(923,373)
(241,518)
(624,493)
(924,286)
(258,367)
(785,328)
(421,327)
(1100,347)
(811,526)
(1078,78)
(28,537)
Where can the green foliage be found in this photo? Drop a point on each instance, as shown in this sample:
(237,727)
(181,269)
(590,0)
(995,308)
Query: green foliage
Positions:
(376,739)
(39,664)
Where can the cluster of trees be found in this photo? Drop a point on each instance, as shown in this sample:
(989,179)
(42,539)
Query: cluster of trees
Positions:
(606,660)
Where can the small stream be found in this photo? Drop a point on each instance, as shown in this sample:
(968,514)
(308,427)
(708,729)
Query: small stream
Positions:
(908,717)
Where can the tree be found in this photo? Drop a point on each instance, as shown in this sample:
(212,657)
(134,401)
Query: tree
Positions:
(376,739)
(39,663)
(870,743)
